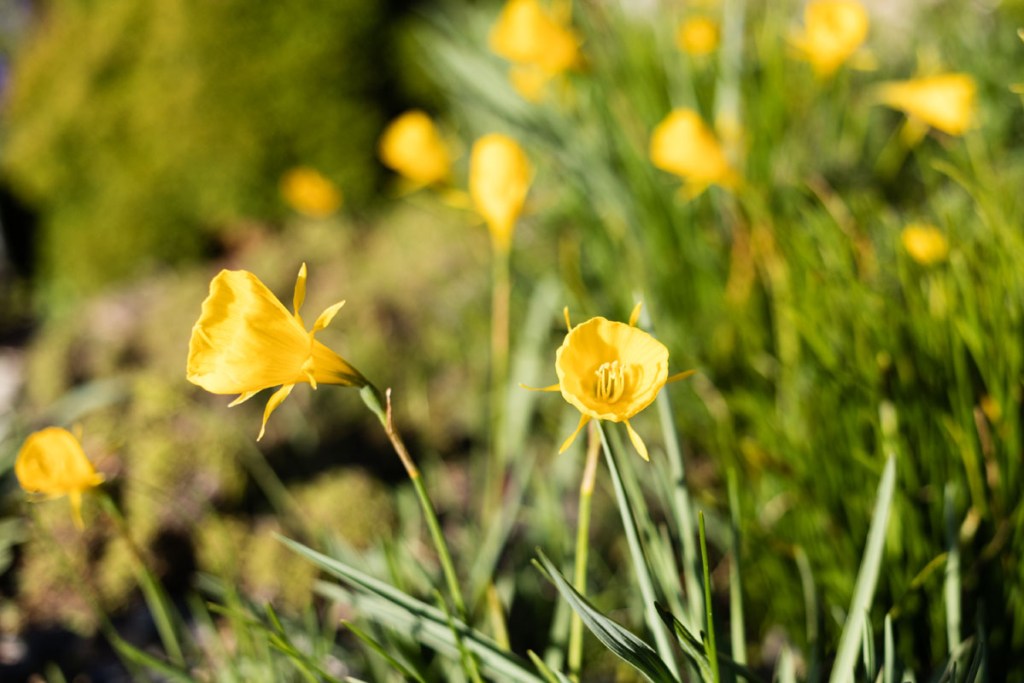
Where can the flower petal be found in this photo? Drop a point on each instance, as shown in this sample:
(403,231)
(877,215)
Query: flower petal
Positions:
(584,419)
(275,400)
(638,443)
(243,398)
(300,291)
(327,316)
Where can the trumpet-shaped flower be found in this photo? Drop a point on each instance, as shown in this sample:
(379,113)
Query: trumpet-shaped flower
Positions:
(539,43)
(246,340)
(310,193)
(925,243)
(499,178)
(833,31)
(698,36)
(610,371)
(945,102)
(412,146)
(52,463)
(682,144)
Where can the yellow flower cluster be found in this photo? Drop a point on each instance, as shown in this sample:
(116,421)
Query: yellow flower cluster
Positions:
(539,43)
(833,31)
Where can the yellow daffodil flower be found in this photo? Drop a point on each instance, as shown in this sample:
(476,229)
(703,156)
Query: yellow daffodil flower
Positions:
(945,102)
(682,144)
(925,243)
(499,178)
(310,193)
(833,31)
(539,43)
(52,463)
(246,340)
(698,36)
(611,371)
(412,146)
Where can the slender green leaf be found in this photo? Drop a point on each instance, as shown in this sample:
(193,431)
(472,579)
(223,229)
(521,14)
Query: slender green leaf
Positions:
(550,675)
(389,606)
(371,643)
(864,589)
(620,641)
(693,648)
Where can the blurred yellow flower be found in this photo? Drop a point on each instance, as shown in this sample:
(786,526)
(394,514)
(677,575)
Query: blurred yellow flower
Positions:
(945,102)
(925,243)
(682,144)
(310,193)
(698,36)
(611,371)
(499,178)
(412,146)
(833,31)
(52,463)
(540,43)
(246,340)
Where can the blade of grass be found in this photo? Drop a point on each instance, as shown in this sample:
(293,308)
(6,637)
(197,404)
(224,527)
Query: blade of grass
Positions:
(712,650)
(867,577)
(389,606)
(951,586)
(371,643)
(739,641)
(636,552)
(620,641)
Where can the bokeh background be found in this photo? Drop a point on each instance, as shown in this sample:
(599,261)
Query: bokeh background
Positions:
(144,146)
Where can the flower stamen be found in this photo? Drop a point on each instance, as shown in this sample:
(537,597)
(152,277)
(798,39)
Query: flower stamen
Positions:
(611,381)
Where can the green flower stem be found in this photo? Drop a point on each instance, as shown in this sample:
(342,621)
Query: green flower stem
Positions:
(156,598)
(636,552)
(371,397)
(712,651)
(497,463)
(582,549)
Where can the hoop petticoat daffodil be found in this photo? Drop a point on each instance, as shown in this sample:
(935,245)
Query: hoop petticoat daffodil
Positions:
(946,102)
(611,371)
(52,463)
(833,31)
(246,340)
(499,180)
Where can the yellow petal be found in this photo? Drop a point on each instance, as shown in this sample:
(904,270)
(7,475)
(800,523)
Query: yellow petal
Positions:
(634,316)
(300,292)
(327,316)
(680,375)
(584,419)
(553,387)
(638,443)
(75,498)
(242,398)
(276,399)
